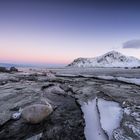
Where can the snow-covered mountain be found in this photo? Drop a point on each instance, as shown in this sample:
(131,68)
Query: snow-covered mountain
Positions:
(110,59)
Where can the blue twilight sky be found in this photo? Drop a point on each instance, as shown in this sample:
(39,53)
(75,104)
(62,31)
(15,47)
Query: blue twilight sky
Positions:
(58,31)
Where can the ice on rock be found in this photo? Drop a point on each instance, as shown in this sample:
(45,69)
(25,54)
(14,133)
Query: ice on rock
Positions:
(135,128)
(16,116)
(127,111)
(118,135)
(135,81)
(129,80)
(110,116)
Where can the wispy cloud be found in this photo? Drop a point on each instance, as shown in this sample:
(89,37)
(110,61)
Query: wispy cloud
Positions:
(134,44)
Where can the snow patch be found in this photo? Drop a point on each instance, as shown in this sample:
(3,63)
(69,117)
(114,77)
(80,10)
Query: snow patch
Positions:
(127,111)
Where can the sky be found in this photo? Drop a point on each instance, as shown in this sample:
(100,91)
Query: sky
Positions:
(58,31)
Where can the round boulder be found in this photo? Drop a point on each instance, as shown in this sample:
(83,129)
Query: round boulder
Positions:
(36,113)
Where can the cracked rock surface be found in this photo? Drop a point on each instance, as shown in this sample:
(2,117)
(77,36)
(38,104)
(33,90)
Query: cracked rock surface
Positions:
(66,95)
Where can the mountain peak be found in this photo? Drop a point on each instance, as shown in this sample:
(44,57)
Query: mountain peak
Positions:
(110,59)
(113,52)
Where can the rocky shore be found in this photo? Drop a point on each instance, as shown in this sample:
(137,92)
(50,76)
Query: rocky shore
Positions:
(66,95)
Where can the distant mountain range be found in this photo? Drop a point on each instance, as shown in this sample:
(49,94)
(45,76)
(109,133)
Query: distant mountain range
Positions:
(35,65)
(8,65)
(110,59)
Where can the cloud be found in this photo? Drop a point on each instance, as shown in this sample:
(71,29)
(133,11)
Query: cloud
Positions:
(134,44)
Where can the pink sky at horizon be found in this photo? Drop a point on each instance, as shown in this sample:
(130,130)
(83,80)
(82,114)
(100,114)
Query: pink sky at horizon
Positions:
(54,49)
(30,55)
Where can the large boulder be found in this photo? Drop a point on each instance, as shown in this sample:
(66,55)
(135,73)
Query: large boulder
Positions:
(36,113)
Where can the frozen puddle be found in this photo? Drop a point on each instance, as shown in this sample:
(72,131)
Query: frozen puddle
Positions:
(101,118)
(93,130)
(110,115)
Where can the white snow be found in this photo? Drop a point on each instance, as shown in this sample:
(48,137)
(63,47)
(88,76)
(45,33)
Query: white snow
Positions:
(110,115)
(110,59)
(127,111)
(93,130)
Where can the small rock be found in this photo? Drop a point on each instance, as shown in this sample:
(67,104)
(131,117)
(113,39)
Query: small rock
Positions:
(13,69)
(3,69)
(36,113)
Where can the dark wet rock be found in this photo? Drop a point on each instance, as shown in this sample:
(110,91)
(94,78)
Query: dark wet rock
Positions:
(3,69)
(31,77)
(119,134)
(13,69)
(3,82)
(61,124)
(36,137)
(47,85)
